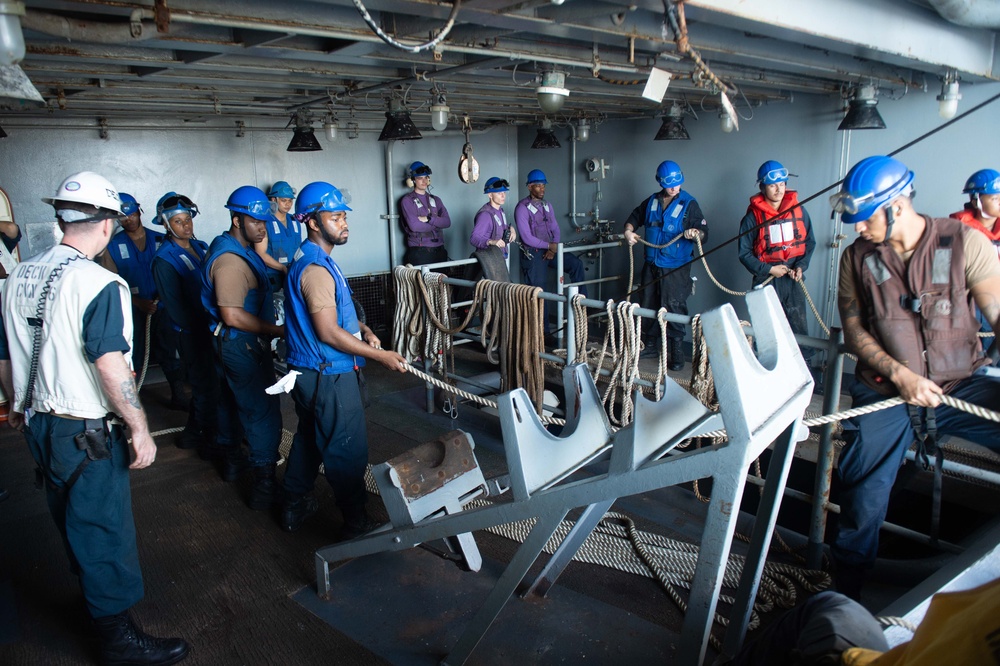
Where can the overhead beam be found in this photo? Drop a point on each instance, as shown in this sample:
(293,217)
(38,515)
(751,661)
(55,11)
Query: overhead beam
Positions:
(896,31)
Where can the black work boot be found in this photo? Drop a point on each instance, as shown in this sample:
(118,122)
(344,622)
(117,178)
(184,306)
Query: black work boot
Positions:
(233,465)
(124,643)
(178,399)
(264,491)
(356,522)
(295,511)
(675,354)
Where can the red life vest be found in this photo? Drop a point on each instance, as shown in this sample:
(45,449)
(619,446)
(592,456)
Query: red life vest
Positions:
(968,216)
(778,242)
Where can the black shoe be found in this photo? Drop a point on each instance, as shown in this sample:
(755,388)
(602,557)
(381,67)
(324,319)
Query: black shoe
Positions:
(4,494)
(188,439)
(294,512)
(650,351)
(178,398)
(356,523)
(233,467)
(675,355)
(124,643)
(264,491)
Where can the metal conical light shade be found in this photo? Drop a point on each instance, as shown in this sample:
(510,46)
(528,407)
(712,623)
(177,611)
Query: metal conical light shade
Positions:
(862,115)
(398,125)
(303,141)
(545,138)
(672,129)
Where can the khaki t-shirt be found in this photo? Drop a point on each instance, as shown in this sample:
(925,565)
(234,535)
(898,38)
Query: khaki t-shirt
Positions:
(233,279)
(319,291)
(980,263)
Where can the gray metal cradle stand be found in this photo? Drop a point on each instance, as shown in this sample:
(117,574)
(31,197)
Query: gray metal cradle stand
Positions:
(762,401)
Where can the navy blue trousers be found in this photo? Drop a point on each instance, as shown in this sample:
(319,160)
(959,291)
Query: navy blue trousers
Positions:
(331,431)
(95,516)
(245,410)
(534,270)
(199,365)
(868,465)
(664,288)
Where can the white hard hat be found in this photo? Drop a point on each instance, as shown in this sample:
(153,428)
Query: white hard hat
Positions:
(87,187)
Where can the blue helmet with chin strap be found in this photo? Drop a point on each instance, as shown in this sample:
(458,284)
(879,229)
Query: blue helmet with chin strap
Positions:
(984,181)
(669,174)
(250,200)
(281,190)
(869,186)
(129,204)
(771,172)
(317,197)
(171,204)
(418,169)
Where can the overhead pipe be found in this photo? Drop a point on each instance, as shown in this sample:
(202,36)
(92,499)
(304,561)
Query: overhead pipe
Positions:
(971,13)
(88,31)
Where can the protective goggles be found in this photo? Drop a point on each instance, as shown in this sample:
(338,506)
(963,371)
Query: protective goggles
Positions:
(775,176)
(261,208)
(179,202)
(499,185)
(422,171)
(845,202)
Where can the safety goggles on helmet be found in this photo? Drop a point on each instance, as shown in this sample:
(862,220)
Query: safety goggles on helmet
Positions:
(498,185)
(421,171)
(775,176)
(258,209)
(332,201)
(178,202)
(845,202)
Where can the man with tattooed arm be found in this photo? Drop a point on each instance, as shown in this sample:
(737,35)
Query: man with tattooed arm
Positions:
(906,294)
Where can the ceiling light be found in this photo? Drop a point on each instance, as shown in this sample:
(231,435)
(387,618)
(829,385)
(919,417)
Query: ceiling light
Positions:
(303,139)
(545,138)
(439,114)
(331,128)
(672,128)
(948,99)
(726,122)
(11,35)
(862,114)
(16,89)
(583,129)
(552,93)
(398,124)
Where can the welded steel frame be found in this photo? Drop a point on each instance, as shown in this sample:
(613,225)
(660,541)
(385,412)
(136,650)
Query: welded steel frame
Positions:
(762,401)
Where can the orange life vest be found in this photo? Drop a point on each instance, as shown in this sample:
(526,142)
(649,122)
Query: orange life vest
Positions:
(968,216)
(785,238)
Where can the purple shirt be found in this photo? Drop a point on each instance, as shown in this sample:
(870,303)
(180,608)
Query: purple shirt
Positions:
(490,225)
(423,234)
(536,223)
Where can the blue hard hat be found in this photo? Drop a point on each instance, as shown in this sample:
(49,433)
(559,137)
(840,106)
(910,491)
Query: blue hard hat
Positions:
(984,181)
(317,197)
(536,176)
(869,186)
(129,204)
(250,200)
(495,184)
(771,172)
(418,169)
(281,190)
(668,174)
(172,203)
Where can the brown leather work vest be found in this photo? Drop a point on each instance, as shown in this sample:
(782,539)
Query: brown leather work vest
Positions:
(920,313)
